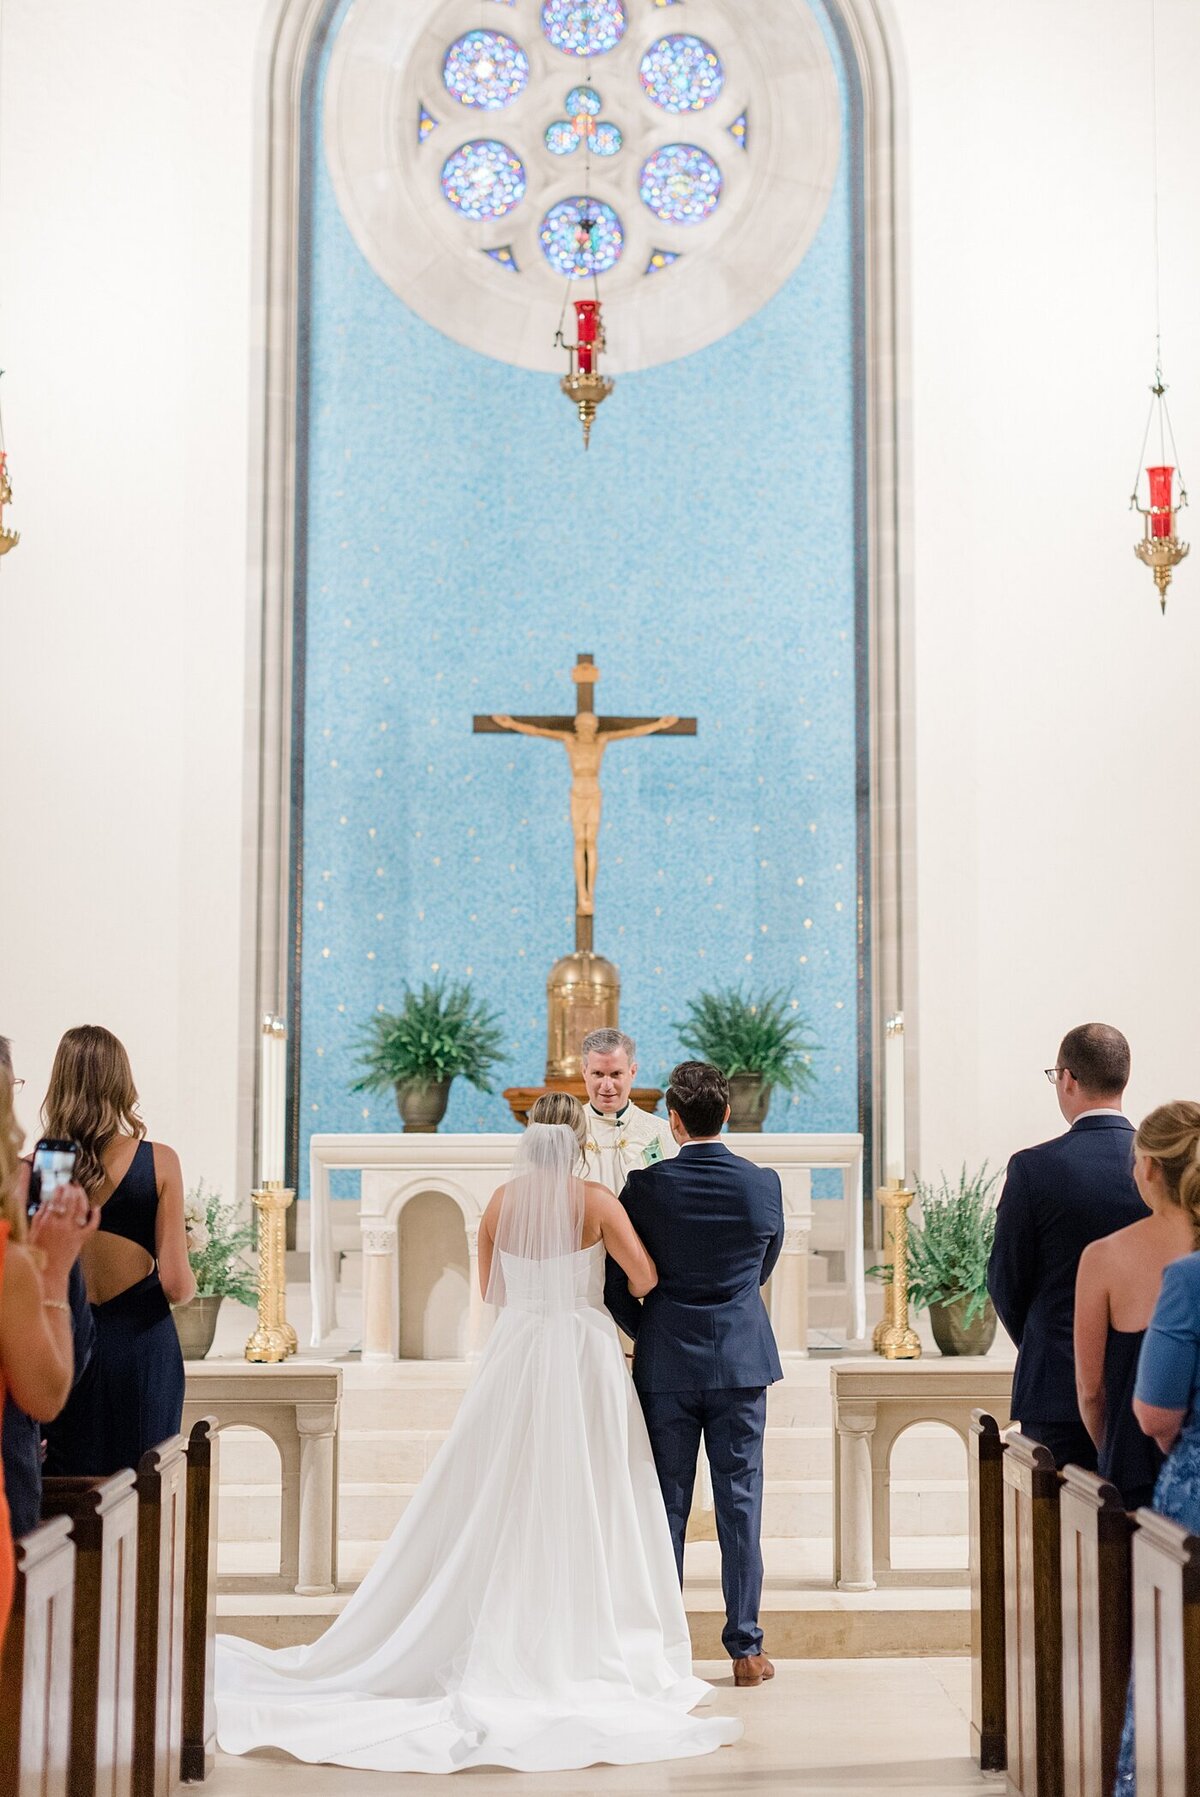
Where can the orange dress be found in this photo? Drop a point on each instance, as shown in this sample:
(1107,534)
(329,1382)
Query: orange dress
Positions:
(6,1540)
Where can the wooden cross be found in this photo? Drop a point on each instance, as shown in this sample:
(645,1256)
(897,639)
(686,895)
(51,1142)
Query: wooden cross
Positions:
(585,738)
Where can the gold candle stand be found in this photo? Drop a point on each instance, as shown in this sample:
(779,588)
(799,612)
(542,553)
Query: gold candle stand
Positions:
(893,1337)
(274,1339)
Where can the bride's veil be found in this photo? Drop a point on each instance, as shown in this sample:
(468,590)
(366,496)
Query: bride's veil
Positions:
(540,1222)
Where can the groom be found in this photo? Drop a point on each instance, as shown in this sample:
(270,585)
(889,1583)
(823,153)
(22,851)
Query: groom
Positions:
(704,1352)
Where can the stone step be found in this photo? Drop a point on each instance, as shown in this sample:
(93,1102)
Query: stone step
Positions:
(382,1456)
(791,1507)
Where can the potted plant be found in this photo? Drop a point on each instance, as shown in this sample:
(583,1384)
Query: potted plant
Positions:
(217,1244)
(437,1033)
(948,1260)
(758,1042)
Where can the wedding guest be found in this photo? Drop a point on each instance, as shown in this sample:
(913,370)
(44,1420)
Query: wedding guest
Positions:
(1166,1399)
(21,1436)
(136,1266)
(1057,1198)
(35,1314)
(1115,1295)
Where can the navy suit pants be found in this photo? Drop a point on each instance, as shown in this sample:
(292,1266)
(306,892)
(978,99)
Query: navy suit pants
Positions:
(731,1423)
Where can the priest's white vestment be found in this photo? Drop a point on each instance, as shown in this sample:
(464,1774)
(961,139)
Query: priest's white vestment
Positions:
(617,1142)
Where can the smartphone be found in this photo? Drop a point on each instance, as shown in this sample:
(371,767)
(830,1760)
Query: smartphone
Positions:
(53,1167)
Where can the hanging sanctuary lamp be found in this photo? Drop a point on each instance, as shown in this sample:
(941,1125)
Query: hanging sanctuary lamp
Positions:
(8,538)
(583,383)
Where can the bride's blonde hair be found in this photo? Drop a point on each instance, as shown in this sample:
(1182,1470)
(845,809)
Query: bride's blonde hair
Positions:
(563,1108)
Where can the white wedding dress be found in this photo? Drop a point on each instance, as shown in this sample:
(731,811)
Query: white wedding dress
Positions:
(526,1611)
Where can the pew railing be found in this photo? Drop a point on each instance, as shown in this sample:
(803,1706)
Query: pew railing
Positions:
(1032,1619)
(1166,1657)
(158,1663)
(985,1453)
(35,1666)
(1096,1633)
(103,1514)
(199,1716)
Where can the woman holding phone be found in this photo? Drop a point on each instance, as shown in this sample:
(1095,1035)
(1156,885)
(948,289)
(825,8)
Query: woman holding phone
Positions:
(136,1265)
(36,1352)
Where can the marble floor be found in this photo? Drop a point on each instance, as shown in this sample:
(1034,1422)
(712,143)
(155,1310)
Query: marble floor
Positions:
(822,1728)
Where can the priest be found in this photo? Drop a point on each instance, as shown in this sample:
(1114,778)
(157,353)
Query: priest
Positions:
(620,1136)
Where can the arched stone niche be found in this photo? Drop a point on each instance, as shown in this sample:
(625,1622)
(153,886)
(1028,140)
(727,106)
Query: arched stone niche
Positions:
(434,1275)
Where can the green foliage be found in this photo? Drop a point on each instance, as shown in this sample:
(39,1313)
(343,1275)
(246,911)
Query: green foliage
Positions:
(437,1033)
(948,1250)
(217,1248)
(751,1033)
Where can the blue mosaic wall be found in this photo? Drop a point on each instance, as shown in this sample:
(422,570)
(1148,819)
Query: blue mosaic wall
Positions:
(461,549)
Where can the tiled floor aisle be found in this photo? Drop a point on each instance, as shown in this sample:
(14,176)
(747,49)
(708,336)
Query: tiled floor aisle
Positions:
(823,1728)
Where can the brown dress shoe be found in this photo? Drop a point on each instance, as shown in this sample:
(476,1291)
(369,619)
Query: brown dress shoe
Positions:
(753,1670)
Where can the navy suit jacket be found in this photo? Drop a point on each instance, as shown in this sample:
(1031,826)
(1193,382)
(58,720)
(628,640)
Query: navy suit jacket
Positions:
(713,1224)
(1057,1198)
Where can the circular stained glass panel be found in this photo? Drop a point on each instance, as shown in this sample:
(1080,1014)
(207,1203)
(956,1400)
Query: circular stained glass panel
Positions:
(581,237)
(606,139)
(681,184)
(583,99)
(561,138)
(682,73)
(584,27)
(485,69)
(483,179)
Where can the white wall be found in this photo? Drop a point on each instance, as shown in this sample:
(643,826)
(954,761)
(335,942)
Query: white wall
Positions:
(1057,753)
(125,222)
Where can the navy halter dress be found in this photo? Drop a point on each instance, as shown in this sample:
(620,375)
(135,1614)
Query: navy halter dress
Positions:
(131,1396)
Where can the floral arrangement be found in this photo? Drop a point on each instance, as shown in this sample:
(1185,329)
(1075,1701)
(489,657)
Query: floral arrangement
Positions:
(217,1248)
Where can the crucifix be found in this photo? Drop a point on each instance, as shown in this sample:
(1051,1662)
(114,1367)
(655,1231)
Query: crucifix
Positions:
(585,738)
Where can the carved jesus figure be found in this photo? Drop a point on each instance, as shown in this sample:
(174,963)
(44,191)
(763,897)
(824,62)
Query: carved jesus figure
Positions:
(585,744)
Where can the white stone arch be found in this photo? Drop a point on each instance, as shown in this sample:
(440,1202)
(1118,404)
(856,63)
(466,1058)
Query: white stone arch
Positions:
(890,1431)
(293,34)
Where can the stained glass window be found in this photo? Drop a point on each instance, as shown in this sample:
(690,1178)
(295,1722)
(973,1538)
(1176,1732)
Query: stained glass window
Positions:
(583,99)
(606,139)
(740,130)
(660,259)
(483,179)
(681,184)
(485,69)
(504,256)
(584,27)
(426,124)
(682,73)
(561,138)
(581,237)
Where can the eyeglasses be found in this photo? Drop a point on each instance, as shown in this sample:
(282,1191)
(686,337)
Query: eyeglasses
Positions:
(1052,1074)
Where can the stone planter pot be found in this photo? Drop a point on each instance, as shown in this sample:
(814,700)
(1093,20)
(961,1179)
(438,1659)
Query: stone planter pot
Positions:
(422,1104)
(196,1323)
(953,1336)
(748,1101)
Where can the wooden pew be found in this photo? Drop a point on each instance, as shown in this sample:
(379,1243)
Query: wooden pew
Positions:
(199,1716)
(1166,1657)
(158,1662)
(985,1453)
(1096,1633)
(35,1666)
(1032,1620)
(103,1514)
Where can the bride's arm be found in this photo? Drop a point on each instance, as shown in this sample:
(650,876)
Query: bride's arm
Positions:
(625,1245)
(487,1241)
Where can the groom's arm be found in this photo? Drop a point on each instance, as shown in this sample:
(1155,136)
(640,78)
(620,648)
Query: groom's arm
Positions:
(775,1245)
(623,1307)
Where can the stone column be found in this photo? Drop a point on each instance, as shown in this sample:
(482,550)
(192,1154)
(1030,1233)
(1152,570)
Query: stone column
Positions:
(475,1303)
(381,1292)
(789,1288)
(854,1565)
(317,1425)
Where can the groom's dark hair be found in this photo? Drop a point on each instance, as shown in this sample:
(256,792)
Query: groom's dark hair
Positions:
(699,1096)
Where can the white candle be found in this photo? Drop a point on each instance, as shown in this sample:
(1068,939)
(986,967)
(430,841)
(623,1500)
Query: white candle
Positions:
(272,1101)
(893,1098)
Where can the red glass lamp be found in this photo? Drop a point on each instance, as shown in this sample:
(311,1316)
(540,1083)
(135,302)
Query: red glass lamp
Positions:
(1160,548)
(583,384)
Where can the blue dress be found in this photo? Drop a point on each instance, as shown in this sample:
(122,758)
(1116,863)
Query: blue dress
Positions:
(131,1396)
(1169,1376)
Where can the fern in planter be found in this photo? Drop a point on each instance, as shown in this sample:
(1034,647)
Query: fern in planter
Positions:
(746,1033)
(438,1033)
(948,1250)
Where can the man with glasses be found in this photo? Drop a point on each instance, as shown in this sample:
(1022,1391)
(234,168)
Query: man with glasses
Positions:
(1057,1198)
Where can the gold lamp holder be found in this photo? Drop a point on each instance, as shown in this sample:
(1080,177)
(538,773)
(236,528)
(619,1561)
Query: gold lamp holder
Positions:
(274,1339)
(8,538)
(1162,555)
(894,1338)
(584,385)
(1160,549)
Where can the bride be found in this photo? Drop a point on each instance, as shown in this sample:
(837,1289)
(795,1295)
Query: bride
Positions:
(526,1611)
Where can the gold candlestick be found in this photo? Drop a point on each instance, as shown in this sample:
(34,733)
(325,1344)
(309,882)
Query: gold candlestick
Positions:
(274,1339)
(894,1339)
